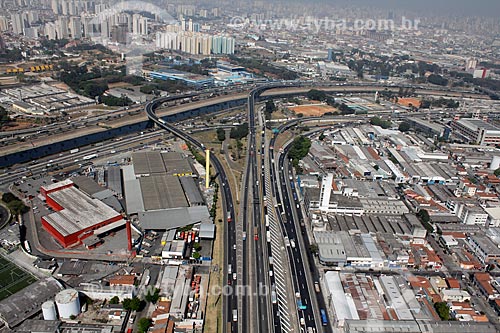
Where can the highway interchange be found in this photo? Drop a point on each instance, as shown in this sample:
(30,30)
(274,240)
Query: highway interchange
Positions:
(273,253)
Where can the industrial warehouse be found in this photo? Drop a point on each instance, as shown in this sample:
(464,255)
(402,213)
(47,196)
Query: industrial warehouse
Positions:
(159,188)
(77,215)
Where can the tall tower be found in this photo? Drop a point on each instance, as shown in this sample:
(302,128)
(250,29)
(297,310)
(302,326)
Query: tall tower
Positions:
(207,168)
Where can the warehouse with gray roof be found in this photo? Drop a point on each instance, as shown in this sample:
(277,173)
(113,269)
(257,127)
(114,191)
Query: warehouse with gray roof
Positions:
(160,189)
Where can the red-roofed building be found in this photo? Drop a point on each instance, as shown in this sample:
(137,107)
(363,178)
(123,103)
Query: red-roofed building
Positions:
(122,280)
(453,283)
(483,282)
(77,216)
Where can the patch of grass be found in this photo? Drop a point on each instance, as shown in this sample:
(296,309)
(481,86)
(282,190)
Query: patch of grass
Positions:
(12,278)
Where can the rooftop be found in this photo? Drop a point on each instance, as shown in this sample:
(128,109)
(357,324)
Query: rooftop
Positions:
(162,192)
(80,211)
(23,304)
(475,124)
(50,187)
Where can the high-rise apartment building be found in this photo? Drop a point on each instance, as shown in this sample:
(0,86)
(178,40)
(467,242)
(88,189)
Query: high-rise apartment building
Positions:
(18,23)
(76,27)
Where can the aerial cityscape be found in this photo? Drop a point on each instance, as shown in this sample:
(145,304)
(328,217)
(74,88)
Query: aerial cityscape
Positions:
(249,166)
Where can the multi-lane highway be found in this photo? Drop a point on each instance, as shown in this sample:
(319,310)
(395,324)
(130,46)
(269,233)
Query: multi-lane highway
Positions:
(230,303)
(196,100)
(274,253)
(260,303)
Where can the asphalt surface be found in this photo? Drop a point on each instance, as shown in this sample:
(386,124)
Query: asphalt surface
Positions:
(261,318)
(227,202)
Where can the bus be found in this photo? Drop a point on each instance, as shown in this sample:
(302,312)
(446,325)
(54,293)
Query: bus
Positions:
(324,318)
(229,219)
(89,157)
(235,315)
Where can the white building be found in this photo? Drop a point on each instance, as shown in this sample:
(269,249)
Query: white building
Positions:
(18,23)
(76,27)
(473,215)
(448,241)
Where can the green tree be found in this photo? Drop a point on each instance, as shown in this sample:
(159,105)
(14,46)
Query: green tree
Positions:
(377,121)
(17,207)
(442,310)
(196,255)
(497,173)
(321,137)
(133,304)
(316,95)
(270,107)
(437,80)
(404,126)
(239,132)
(313,248)
(116,101)
(221,134)
(299,149)
(114,300)
(4,116)
(423,215)
(143,324)
(153,297)
(8,197)
(147,89)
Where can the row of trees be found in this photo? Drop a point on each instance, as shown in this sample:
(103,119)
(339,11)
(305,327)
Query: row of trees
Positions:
(136,304)
(437,80)
(440,102)
(170,86)
(322,96)
(263,67)
(116,101)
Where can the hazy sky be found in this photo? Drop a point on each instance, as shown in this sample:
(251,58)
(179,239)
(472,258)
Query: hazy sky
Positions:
(433,7)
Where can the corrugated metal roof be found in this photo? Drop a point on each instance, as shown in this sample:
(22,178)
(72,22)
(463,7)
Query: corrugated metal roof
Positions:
(343,307)
(133,196)
(207,231)
(166,219)
(80,211)
(115,180)
(162,192)
(192,191)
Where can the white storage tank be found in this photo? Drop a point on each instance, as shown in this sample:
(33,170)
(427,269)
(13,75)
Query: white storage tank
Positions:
(495,163)
(68,303)
(49,310)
